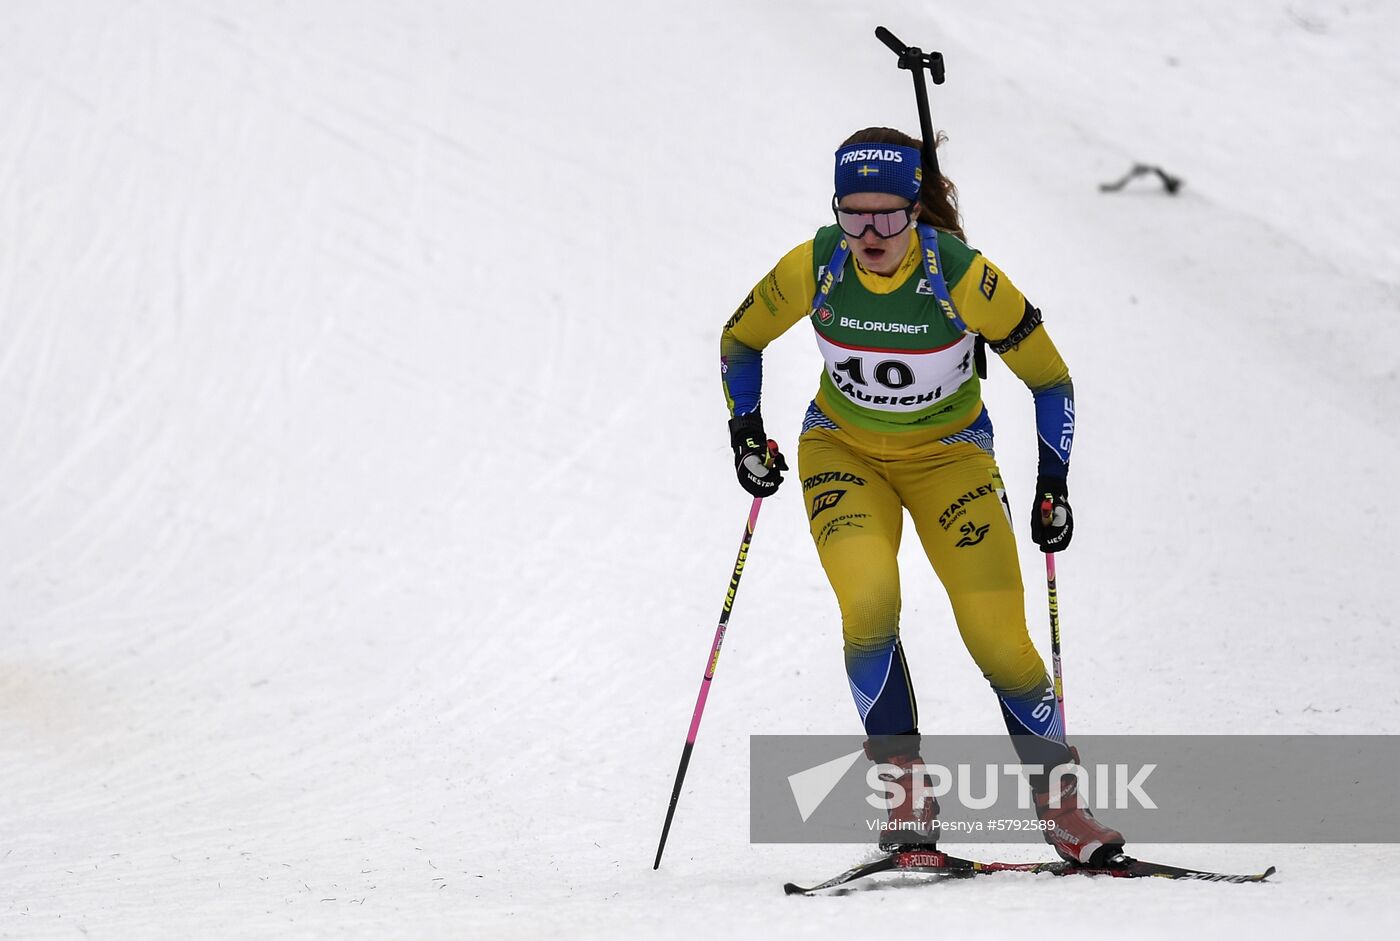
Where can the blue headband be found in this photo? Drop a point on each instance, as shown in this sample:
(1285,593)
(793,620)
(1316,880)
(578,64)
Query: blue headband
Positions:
(878,168)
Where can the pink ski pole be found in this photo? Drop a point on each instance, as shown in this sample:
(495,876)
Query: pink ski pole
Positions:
(1045,511)
(710,668)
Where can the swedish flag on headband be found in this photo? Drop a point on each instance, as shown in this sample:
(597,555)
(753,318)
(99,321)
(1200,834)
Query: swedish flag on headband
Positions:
(878,168)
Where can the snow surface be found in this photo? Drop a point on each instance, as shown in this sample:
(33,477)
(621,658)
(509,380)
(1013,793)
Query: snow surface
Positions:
(365,504)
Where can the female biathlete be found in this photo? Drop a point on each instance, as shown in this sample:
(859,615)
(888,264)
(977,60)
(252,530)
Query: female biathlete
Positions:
(900,305)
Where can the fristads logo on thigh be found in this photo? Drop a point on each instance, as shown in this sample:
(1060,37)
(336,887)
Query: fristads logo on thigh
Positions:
(832,477)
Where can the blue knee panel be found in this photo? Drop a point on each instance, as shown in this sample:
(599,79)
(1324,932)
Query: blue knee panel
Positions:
(880,686)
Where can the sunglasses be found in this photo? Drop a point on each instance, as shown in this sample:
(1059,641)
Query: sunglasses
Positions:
(886,223)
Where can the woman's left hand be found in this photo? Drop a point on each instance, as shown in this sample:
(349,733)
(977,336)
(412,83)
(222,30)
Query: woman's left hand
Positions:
(1052,520)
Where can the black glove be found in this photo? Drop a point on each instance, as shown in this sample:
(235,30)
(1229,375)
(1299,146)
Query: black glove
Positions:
(1052,521)
(750,448)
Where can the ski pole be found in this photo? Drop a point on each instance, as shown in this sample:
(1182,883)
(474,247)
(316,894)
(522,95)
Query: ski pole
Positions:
(916,60)
(710,666)
(1046,513)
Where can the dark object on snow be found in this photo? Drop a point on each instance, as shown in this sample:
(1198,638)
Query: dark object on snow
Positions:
(1170,183)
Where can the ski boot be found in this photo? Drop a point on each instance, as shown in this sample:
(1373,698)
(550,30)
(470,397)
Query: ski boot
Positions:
(1073,831)
(913,822)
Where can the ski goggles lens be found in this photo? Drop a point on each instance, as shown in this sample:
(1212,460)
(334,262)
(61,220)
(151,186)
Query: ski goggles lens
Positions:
(886,223)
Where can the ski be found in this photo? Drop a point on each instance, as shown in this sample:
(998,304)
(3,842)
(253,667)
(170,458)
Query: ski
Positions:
(935,862)
(883,864)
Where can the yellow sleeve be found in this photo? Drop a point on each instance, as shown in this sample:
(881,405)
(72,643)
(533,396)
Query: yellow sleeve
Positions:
(992,306)
(777,302)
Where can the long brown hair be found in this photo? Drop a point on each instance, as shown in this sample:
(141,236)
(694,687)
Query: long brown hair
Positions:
(938,198)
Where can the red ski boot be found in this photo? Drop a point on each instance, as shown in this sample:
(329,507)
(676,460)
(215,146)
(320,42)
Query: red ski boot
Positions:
(913,822)
(1074,832)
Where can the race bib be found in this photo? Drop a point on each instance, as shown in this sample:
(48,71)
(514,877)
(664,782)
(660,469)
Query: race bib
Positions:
(897,380)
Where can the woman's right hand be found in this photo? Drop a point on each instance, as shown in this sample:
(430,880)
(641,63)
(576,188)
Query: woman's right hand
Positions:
(757,461)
